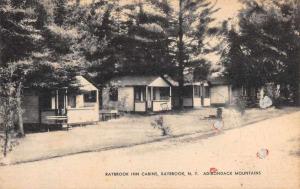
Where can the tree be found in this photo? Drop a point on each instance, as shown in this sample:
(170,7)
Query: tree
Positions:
(60,12)
(35,52)
(97,30)
(142,37)
(194,27)
(19,38)
(273,57)
(148,43)
(11,83)
(123,39)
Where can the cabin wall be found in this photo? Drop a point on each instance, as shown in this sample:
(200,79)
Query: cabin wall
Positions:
(85,112)
(44,115)
(79,101)
(220,94)
(197,102)
(187,102)
(83,115)
(206,102)
(30,105)
(125,99)
(140,107)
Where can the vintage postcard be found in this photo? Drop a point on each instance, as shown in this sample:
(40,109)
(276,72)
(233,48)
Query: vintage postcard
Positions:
(149,94)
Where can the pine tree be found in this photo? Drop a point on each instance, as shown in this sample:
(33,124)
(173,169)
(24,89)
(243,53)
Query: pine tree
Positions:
(17,33)
(99,42)
(34,52)
(273,57)
(193,28)
(148,43)
(60,12)
(19,39)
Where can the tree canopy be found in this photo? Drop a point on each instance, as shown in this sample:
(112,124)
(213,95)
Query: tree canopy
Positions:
(265,47)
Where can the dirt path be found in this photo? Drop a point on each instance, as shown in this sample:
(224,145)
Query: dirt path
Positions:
(232,151)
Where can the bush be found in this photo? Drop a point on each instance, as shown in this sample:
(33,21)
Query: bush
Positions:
(8,141)
(160,124)
(241,105)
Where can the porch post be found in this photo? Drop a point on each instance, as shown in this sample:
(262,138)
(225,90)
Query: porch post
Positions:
(97,99)
(66,98)
(151,97)
(170,99)
(193,95)
(56,102)
(151,94)
(146,100)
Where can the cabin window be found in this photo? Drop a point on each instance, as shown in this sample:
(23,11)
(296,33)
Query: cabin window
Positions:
(46,101)
(197,91)
(206,92)
(91,96)
(113,94)
(164,93)
(139,94)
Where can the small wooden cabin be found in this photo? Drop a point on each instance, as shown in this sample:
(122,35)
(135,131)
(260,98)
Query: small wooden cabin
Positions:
(195,94)
(80,107)
(137,94)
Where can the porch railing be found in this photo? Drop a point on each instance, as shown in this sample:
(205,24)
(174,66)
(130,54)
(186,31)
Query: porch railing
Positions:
(161,105)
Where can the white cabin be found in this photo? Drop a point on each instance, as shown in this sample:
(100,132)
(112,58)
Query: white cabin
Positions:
(137,94)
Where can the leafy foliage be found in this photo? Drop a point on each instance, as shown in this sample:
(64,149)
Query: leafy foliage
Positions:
(159,123)
(273,57)
(193,30)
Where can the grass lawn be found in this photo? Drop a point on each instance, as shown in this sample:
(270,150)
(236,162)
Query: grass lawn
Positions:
(129,130)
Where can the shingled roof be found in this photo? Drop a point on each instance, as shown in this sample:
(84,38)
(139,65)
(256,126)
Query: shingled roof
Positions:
(132,80)
(175,83)
(218,81)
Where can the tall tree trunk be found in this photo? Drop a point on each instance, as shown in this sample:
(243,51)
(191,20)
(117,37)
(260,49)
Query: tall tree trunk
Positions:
(5,141)
(19,110)
(180,54)
(8,121)
(297,100)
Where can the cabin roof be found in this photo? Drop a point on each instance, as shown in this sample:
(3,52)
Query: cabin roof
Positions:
(83,84)
(218,81)
(134,80)
(79,82)
(175,83)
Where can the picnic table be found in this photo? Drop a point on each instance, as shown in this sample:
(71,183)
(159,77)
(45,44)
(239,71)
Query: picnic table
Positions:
(109,114)
(63,120)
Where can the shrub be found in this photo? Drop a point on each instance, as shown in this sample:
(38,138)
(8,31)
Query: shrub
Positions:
(159,123)
(241,105)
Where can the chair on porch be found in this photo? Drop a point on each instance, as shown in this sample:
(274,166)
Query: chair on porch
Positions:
(164,106)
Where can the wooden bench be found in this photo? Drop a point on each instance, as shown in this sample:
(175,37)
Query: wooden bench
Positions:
(63,120)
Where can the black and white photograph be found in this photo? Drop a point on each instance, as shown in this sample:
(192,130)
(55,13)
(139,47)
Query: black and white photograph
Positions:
(149,94)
